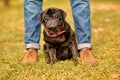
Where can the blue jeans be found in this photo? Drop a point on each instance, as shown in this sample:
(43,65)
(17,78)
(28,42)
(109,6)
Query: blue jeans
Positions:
(81,15)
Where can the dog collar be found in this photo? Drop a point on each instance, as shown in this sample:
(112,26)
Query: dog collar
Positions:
(57,34)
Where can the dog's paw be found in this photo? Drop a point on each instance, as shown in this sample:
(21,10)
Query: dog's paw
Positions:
(52,64)
(76,63)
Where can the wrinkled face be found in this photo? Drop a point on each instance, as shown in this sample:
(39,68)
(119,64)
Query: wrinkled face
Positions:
(52,18)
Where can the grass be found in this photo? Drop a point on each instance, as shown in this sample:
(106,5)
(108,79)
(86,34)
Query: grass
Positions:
(105,40)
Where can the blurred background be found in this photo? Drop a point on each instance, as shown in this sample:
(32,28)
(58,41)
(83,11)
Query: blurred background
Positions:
(105,22)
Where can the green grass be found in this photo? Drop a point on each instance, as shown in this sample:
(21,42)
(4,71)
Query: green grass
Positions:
(105,40)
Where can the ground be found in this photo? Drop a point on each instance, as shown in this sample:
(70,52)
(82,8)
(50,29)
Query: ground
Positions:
(105,22)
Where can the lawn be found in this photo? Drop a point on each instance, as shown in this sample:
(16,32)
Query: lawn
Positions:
(105,19)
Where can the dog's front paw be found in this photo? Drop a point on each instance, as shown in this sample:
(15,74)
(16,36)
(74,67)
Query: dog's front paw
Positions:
(52,63)
(48,61)
(76,63)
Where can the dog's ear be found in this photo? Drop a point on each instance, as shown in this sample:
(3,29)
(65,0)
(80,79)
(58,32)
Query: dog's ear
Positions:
(40,17)
(64,14)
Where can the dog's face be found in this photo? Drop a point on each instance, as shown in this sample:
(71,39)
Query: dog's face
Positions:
(52,18)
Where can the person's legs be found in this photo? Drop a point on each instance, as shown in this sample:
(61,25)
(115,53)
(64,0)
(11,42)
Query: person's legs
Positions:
(32,8)
(81,15)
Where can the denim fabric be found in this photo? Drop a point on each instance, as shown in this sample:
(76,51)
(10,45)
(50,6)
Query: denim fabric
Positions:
(81,15)
(32,8)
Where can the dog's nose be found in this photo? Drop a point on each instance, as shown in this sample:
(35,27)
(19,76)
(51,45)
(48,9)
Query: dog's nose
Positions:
(52,23)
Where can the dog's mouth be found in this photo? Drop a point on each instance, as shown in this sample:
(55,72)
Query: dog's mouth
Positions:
(52,26)
(53,29)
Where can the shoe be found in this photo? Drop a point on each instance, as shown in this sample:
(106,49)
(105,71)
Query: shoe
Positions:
(87,57)
(30,57)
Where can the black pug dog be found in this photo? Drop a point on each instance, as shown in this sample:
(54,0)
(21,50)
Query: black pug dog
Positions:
(60,40)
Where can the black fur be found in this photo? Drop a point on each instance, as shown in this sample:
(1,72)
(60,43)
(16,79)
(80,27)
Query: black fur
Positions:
(62,47)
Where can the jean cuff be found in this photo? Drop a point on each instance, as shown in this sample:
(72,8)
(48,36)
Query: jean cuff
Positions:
(32,45)
(84,45)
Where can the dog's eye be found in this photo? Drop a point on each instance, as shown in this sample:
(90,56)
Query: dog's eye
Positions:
(45,18)
(56,16)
